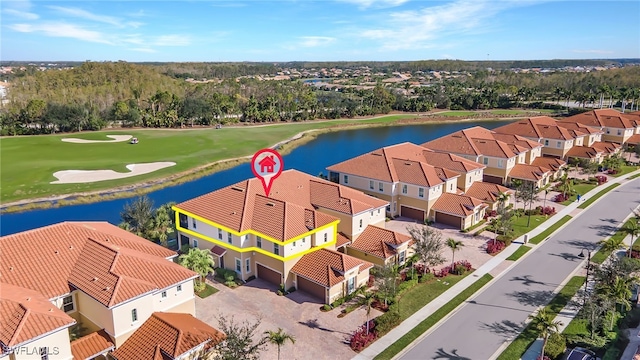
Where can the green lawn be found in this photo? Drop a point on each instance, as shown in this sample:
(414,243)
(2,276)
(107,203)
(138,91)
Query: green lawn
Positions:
(546,233)
(602,255)
(579,189)
(422,294)
(438,315)
(457,113)
(28,162)
(520,224)
(597,196)
(625,170)
(519,253)
(518,347)
(208,291)
(633,176)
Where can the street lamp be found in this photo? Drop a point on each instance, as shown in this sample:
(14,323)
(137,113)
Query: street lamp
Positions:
(586,282)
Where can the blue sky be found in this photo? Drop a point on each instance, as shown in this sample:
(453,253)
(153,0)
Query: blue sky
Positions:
(290,30)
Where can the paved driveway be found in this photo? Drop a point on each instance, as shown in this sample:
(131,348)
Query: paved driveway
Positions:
(319,335)
(483,324)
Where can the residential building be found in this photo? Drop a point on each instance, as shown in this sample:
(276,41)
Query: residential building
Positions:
(615,125)
(634,117)
(105,278)
(266,237)
(380,246)
(503,160)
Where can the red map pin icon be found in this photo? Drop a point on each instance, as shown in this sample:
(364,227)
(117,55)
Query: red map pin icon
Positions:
(267,165)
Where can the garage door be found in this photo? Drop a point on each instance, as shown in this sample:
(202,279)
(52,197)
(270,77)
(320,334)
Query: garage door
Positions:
(311,287)
(269,275)
(412,213)
(448,219)
(492,179)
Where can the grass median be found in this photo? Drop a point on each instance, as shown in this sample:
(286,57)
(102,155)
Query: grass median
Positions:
(595,197)
(438,315)
(519,346)
(523,249)
(550,230)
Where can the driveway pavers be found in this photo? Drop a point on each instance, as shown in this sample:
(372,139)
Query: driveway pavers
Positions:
(319,335)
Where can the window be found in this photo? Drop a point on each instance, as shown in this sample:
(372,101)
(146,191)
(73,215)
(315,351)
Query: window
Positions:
(608,132)
(179,288)
(451,187)
(325,237)
(485,161)
(276,249)
(238,265)
(351,285)
(380,186)
(247,265)
(346,179)
(67,303)
(259,242)
(559,144)
(195,243)
(388,208)
(229,238)
(546,142)
(293,244)
(304,240)
(184,221)
(421,192)
(360,222)
(371,184)
(220,234)
(194,223)
(44,353)
(401,257)
(134,315)
(500,163)
(378,211)
(619,132)
(164,294)
(404,189)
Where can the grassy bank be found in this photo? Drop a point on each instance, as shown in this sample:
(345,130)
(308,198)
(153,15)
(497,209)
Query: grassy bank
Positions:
(523,249)
(433,319)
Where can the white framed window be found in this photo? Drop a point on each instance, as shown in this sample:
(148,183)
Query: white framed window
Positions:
(619,132)
(559,144)
(345,179)
(238,266)
(247,265)
(193,221)
(67,304)
(380,186)
(500,163)
(371,184)
(546,142)
(293,244)
(451,187)
(195,243)
(401,257)
(360,222)
(404,188)
(179,288)
(134,315)
(304,240)
(229,238)
(325,237)
(485,161)
(163,294)
(608,131)
(420,193)
(378,211)
(259,242)
(220,234)
(276,249)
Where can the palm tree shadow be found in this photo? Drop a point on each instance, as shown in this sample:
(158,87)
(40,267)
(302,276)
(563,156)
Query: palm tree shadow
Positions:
(505,328)
(453,355)
(533,298)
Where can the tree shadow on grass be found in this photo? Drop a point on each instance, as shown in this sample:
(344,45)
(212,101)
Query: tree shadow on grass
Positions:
(533,298)
(453,355)
(506,328)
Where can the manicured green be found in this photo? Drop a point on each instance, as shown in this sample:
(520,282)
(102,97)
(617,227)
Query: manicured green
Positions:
(579,189)
(457,113)
(550,230)
(208,291)
(625,170)
(420,295)
(597,196)
(522,112)
(602,255)
(433,319)
(28,162)
(519,252)
(520,224)
(519,346)
(634,176)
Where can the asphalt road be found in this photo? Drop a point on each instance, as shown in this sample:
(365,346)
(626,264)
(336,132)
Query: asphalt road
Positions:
(482,325)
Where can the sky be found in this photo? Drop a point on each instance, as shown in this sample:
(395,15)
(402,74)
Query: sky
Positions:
(322,30)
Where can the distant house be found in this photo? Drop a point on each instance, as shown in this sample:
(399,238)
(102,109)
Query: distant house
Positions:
(616,126)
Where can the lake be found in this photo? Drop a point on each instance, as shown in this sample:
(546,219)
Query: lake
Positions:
(313,157)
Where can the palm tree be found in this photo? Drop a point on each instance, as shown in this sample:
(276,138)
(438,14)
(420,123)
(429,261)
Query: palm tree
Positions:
(631,229)
(278,338)
(198,260)
(566,184)
(367,301)
(544,323)
(162,224)
(454,245)
(502,199)
(517,184)
(137,215)
(611,244)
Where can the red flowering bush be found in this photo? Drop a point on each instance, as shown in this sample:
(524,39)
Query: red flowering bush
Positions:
(360,339)
(494,246)
(489,214)
(457,268)
(371,281)
(421,269)
(601,179)
(560,198)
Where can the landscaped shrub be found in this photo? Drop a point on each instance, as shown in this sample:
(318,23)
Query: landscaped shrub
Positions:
(426,277)
(387,321)
(505,239)
(489,214)
(406,285)
(326,307)
(601,179)
(371,281)
(457,268)
(421,269)
(225,274)
(199,286)
(443,272)
(360,339)
(494,247)
(556,345)
(561,198)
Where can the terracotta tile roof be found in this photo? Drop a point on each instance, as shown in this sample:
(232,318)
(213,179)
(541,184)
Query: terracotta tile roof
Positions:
(528,172)
(634,117)
(517,140)
(459,205)
(92,345)
(584,152)
(487,192)
(168,336)
(379,242)
(342,240)
(289,211)
(59,247)
(218,250)
(549,162)
(602,118)
(112,275)
(327,267)
(606,147)
(406,162)
(634,139)
(25,315)
(539,127)
(476,141)
(579,127)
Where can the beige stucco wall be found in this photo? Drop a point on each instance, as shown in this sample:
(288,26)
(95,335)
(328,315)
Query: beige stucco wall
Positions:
(174,297)
(361,255)
(58,344)
(501,173)
(95,312)
(362,183)
(122,320)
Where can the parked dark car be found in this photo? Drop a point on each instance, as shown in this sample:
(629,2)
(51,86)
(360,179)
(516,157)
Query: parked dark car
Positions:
(581,354)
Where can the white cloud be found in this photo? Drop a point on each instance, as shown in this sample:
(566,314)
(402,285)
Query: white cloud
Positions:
(21,14)
(418,29)
(83,14)
(315,41)
(58,29)
(364,4)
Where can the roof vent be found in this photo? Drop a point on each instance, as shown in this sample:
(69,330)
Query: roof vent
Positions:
(107,288)
(271,204)
(236,188)
(407,163)
(50,309)
(233,213)
(10,268)
(95,279)
(70,247)
(28,299)
(57,252)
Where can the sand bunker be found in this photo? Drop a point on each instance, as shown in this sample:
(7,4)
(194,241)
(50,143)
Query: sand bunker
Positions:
(87,176)
(116,138)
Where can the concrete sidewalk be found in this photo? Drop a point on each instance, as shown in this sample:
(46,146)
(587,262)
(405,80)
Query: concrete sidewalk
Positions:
(394,335)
